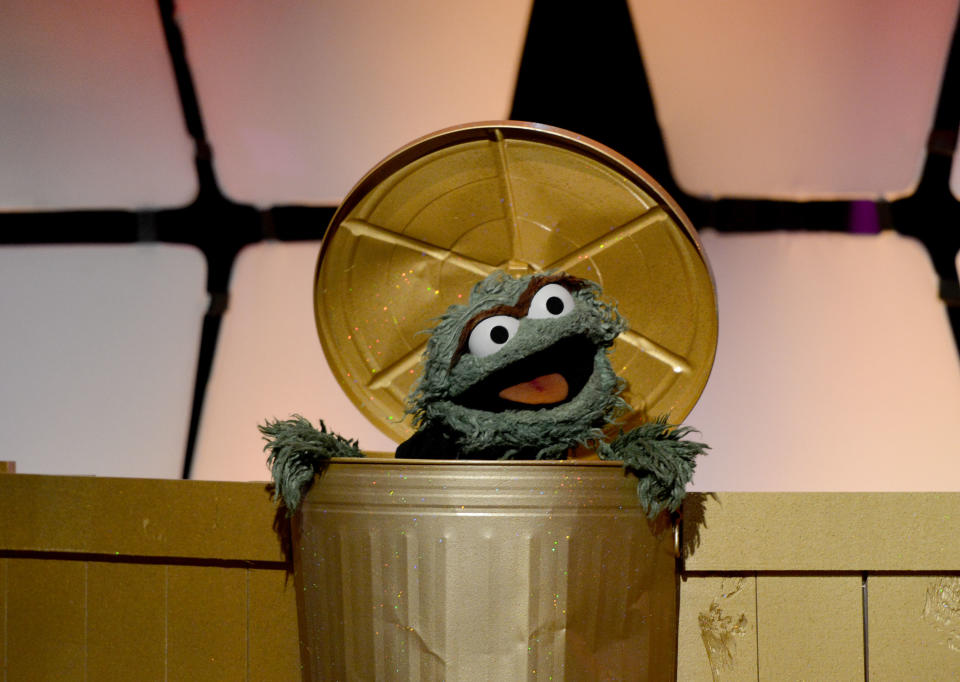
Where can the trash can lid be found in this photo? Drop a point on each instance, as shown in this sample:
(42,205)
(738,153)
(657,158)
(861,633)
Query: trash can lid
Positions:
(422,227)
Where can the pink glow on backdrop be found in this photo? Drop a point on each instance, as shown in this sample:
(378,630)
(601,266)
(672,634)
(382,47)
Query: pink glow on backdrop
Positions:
(89,111)
(302,98)
(817,99)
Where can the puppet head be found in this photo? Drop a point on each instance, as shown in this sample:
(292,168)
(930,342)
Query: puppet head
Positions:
(522,366)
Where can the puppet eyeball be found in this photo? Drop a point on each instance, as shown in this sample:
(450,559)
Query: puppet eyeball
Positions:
(491,334)
(553,300)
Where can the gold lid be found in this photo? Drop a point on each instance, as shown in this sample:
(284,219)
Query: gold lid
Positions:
(431,220)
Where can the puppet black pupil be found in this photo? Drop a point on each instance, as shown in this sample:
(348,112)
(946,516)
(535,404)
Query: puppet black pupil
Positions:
(499,334)
(554,305)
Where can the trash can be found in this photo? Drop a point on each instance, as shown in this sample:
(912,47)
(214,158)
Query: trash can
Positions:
(456,570)
(466,570)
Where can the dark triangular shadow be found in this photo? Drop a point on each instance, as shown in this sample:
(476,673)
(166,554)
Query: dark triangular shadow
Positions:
(582,70)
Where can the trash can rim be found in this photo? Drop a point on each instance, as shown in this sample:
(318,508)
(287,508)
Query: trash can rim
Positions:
(477,462)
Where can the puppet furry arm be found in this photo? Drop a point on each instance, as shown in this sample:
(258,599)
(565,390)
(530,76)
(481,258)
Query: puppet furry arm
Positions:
(660,457)
(297,452)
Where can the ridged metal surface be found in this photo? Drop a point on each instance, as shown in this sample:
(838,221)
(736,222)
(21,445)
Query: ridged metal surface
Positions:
(430,221)
(483,570)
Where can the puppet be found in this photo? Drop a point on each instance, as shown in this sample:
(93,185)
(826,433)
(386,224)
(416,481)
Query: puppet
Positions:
(519,372)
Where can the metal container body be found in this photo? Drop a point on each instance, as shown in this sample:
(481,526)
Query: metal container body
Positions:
(447,570)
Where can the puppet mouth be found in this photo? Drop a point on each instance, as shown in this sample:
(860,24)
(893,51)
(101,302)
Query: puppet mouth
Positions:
(548,378)
(545,390)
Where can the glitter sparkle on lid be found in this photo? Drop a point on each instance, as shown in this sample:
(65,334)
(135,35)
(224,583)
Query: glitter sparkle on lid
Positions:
(574,205)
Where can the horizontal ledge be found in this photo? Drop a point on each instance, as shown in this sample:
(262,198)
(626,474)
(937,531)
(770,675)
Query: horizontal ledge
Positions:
(133,517)
(817,532)
(685,574)
(190,521)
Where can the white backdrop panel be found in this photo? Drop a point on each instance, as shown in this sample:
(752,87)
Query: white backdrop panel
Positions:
(835,369)
(302,98)
(89,111)
(269,364)
(99,351)
(797,98)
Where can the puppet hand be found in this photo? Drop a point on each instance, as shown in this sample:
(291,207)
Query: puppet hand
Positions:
(298,451)
(663,461)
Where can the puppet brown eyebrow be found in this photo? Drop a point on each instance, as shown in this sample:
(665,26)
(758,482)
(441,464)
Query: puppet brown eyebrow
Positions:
(518,309)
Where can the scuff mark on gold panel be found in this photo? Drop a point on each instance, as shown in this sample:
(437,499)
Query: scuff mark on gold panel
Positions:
(941,608)
(719,631)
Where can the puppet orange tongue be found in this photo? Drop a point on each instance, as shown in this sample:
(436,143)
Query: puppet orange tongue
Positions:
(550,388)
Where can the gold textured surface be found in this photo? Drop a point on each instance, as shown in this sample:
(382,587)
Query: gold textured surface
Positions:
(188,519)
(127,579)
(273,645)
(425,225)
(126,621)
(823,532)
(45,620)
(4,586)
(207,623)
(718,629)
(810,627)
(70,619)
(914,627)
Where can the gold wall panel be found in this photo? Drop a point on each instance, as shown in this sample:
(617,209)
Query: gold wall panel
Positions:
(45,620)
(3,610)
(160,518)
(823,532)
(125,579)
(126,621)
(206,623)
(810,627)
(78,620)
(914,627)
(718,629)
(273,642)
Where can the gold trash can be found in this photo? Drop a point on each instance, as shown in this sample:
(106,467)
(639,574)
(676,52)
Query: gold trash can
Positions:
(506,570)
(467,570)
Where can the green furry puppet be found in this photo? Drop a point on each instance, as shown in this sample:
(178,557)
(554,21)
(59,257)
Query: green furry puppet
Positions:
(519,372)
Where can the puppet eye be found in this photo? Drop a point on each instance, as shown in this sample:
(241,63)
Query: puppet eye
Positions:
(553,300)
(491,334)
